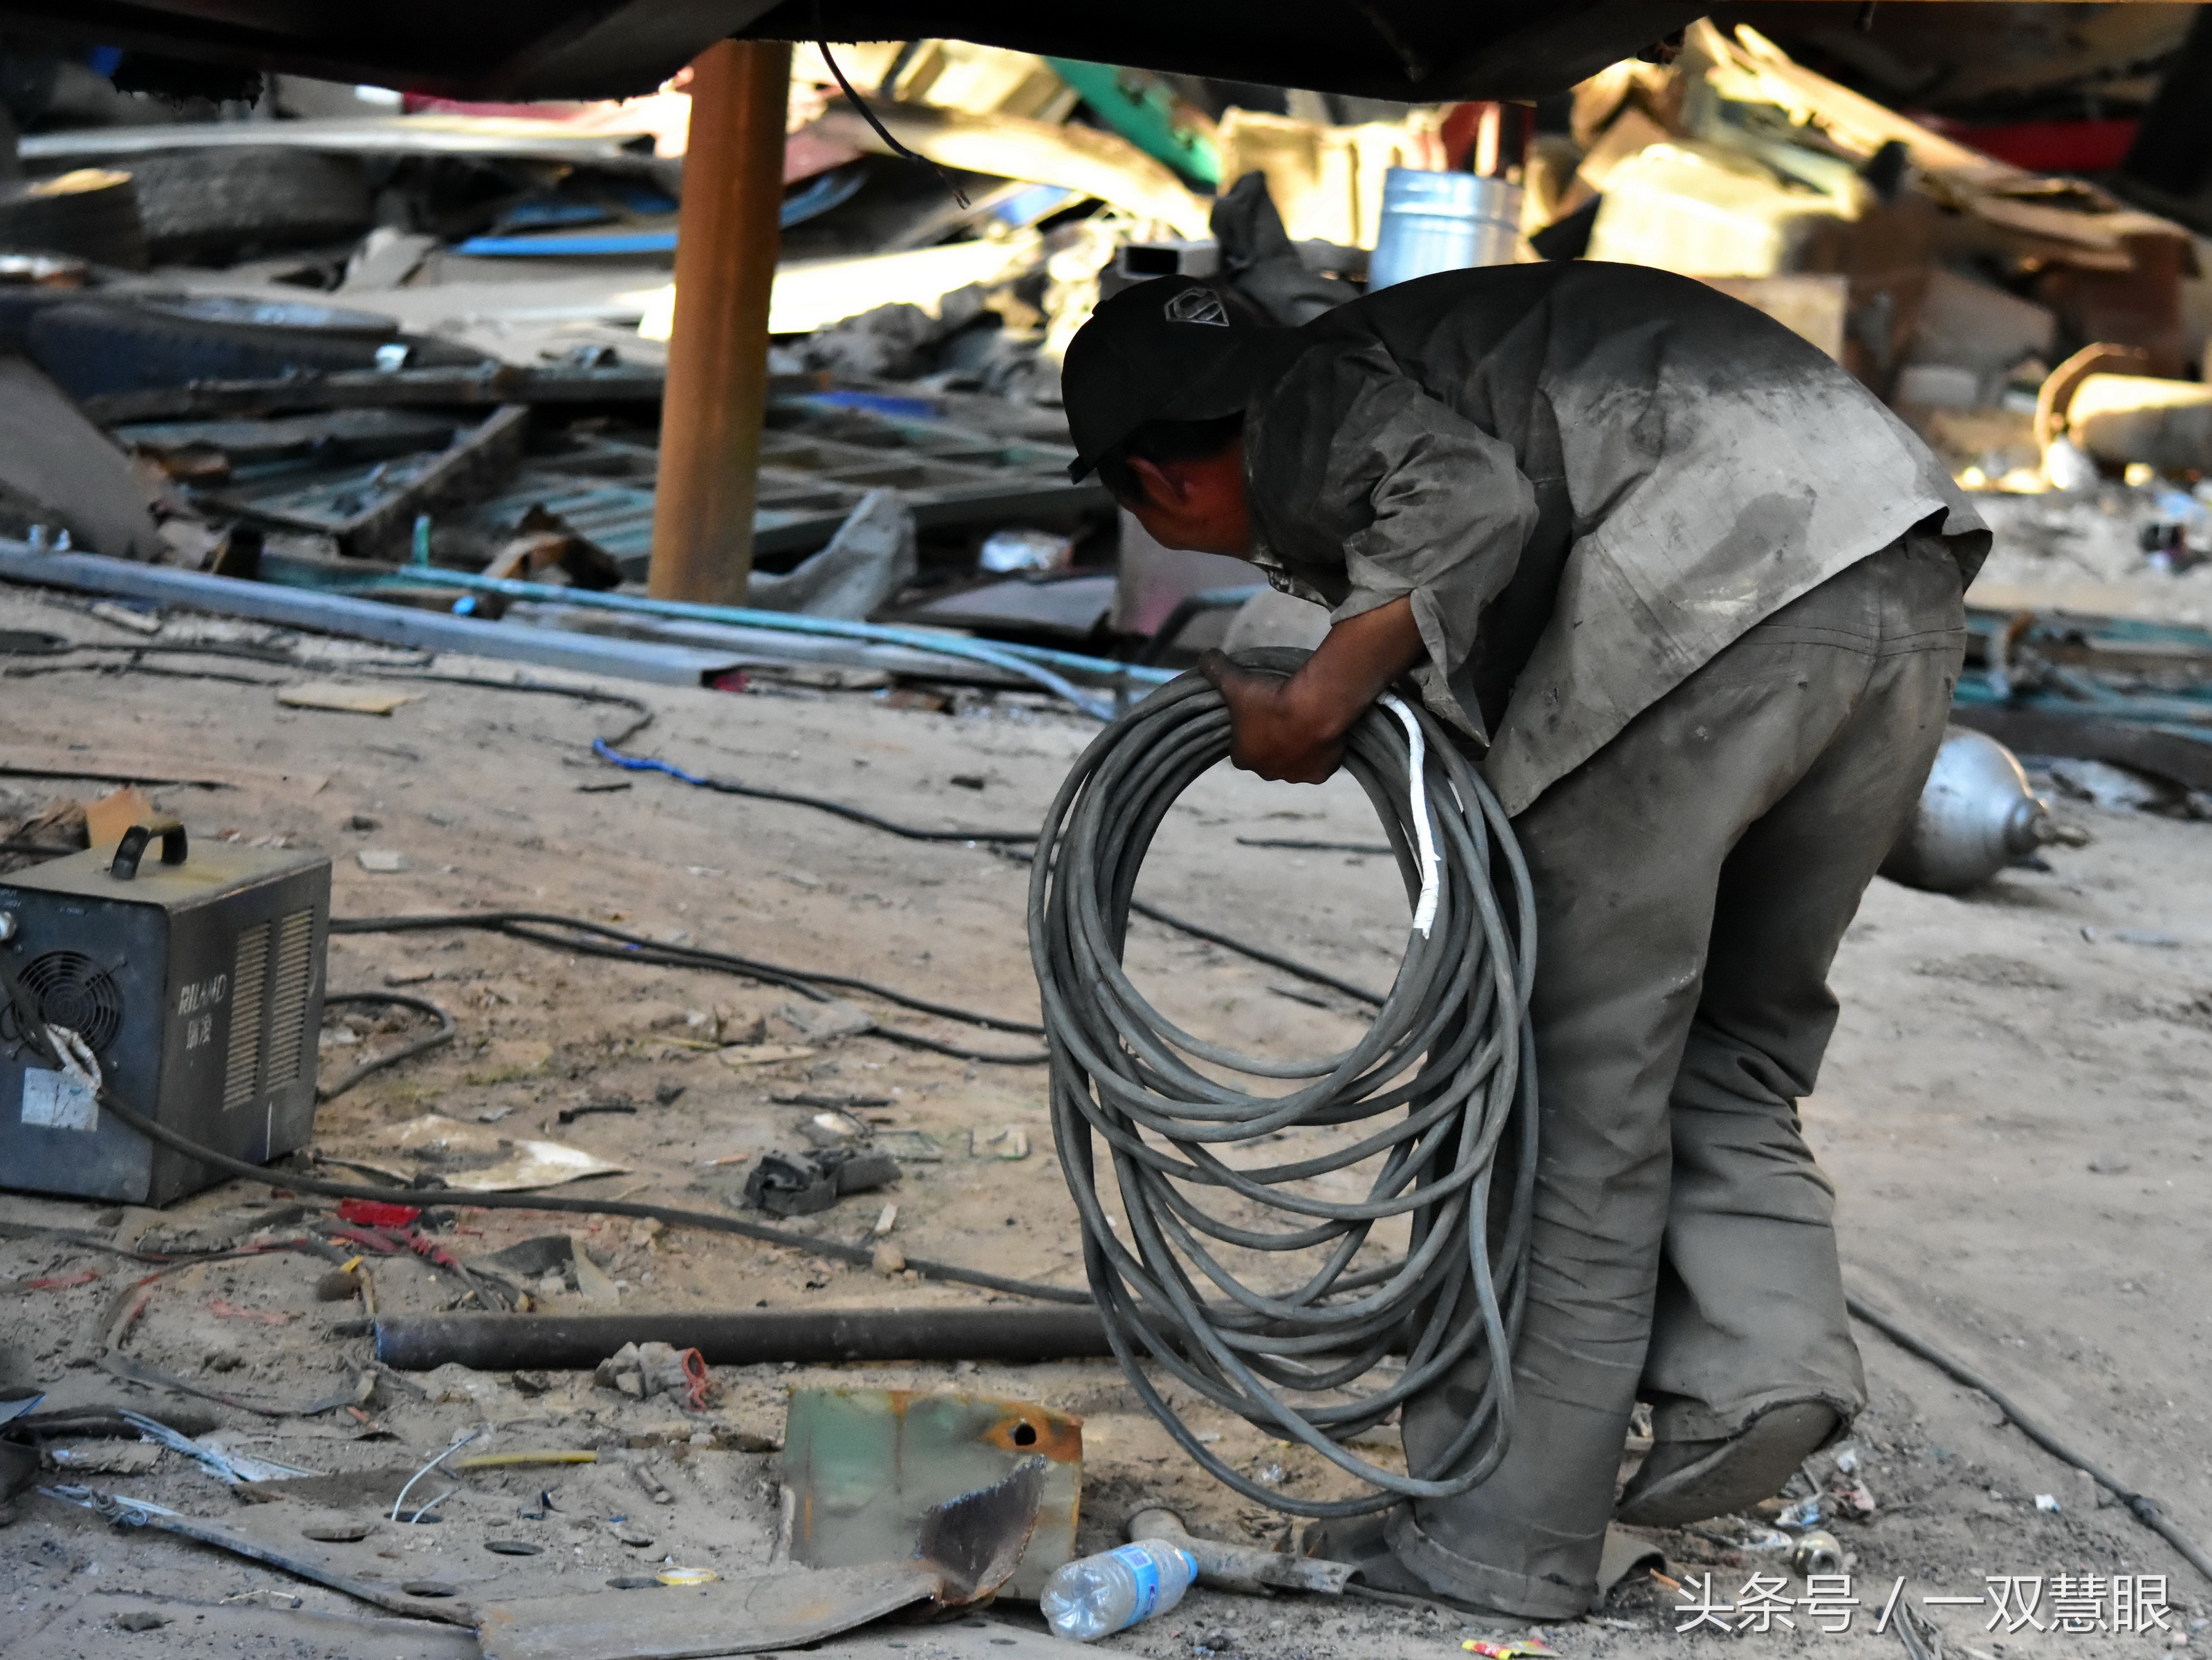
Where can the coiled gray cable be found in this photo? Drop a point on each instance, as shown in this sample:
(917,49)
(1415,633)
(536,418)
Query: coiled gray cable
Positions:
(1436,1099)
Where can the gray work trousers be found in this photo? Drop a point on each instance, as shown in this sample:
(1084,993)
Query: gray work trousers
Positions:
(1694,879)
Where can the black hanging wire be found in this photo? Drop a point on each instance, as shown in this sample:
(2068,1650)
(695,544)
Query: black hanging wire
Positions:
(853,97)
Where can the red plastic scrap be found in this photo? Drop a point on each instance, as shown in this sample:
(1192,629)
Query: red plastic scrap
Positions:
(376,1212)
(695,1379)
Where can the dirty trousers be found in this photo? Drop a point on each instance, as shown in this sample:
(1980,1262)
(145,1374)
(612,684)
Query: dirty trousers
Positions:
(1692,880)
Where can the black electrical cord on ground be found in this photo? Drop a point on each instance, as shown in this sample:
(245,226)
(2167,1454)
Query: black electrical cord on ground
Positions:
(608,750)
(1439,1094)
(12,673)
(444,1034)
(2145,1509)
(590,938)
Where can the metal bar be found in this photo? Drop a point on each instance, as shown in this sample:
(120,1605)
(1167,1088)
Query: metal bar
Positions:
(717,390)
(1103,670)
(2183,756)
(1028,663)
(760,645)
(442,388)
(471,136)
(367,619)
(501,1342)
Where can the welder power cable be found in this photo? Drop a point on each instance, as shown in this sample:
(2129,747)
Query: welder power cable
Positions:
(1434,1107)
(608,750)
(443,1033)
(589,939)
(64,1051)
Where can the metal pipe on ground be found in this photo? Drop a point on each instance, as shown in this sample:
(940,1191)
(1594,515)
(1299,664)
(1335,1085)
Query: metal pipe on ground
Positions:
(502,1342)
(728,234)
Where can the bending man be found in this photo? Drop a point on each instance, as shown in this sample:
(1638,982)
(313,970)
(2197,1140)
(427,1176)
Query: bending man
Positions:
(1694,596)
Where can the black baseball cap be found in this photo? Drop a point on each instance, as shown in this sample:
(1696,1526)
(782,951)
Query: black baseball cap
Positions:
(1170,349)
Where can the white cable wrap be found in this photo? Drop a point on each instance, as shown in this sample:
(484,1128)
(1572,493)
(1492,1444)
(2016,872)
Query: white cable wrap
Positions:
(1417,771)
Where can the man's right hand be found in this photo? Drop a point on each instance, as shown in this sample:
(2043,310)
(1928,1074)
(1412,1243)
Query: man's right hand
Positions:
(1293,729)
(1270,732)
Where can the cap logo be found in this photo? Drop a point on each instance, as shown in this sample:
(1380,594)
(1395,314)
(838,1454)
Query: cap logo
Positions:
(1197,305)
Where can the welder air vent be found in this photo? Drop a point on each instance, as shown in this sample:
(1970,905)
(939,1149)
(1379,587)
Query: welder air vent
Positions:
(287,997)
(249,977)
(75,992)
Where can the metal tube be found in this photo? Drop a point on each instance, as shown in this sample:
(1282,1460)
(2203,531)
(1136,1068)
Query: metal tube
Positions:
(1242,1568)
(501,1342)
(1029,662)
(728,235)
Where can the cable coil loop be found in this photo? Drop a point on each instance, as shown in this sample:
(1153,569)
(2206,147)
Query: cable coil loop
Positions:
(1434,1109)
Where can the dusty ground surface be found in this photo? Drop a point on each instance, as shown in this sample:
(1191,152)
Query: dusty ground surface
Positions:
(2013,1112)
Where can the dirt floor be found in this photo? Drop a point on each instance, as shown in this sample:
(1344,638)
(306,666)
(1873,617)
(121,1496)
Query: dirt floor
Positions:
(2011,1112)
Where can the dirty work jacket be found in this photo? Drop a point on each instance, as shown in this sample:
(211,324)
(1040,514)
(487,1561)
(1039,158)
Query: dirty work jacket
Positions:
(1591,478)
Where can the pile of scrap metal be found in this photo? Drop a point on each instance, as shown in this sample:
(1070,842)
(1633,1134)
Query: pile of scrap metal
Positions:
(432,335)
(1942,277)
(2045,337)
(354,351)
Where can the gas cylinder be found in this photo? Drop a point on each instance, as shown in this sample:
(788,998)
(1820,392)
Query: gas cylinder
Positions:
(1976,816)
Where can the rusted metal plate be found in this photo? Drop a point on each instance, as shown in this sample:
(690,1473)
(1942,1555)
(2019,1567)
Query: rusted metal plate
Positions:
(866,1467)
(780,1609)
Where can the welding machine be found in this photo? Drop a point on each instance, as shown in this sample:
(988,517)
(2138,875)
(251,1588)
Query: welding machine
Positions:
(196,981)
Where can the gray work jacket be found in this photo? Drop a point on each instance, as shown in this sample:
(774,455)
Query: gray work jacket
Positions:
(1591,478)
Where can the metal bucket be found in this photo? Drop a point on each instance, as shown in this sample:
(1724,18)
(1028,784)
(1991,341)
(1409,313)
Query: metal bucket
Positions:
(1434,221)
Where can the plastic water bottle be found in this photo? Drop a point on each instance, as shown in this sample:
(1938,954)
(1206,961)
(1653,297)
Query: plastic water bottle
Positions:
(1095,1596)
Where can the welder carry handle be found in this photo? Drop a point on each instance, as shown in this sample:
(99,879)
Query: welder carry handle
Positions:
(133,848)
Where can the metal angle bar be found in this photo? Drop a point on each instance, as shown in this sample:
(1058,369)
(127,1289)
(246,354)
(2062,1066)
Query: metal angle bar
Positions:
(711,652)
(759,645)
(411,135)
(421,1342)
(367,619)
(1102,668)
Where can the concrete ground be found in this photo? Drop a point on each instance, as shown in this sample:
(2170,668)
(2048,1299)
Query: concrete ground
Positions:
(2013,1112)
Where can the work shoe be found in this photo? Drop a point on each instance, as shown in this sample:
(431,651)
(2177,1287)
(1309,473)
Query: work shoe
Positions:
(1364,1543)
(1686,1481)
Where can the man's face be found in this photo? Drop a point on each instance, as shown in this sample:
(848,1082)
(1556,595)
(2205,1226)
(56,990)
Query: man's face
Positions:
(1197,505)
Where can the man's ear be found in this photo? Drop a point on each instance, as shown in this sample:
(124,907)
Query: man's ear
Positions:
(1161,488)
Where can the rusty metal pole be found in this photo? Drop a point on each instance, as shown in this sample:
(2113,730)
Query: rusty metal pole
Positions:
(725,252)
